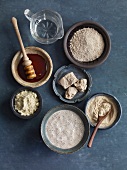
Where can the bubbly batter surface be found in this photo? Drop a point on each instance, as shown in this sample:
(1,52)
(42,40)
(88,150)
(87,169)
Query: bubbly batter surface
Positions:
(65,129)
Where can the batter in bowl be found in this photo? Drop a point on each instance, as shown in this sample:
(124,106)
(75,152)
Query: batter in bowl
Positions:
(65,129)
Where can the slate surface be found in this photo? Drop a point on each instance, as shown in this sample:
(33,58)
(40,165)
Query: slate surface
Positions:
(21,146)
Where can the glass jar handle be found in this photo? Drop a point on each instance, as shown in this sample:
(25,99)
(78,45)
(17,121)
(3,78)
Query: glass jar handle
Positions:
(28,14)
(61,34)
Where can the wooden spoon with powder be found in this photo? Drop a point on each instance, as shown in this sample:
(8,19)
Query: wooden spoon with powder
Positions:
(99,121)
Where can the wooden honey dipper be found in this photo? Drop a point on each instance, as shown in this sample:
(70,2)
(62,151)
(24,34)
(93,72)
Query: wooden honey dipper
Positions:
(27,63)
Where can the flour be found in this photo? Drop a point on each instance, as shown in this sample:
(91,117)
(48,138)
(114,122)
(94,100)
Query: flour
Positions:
(86,45)
(26,102)
(99,106)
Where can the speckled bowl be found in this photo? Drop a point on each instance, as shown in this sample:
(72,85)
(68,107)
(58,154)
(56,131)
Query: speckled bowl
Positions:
(32,50)
(12,103)
(97,27)
(79,73)
(80,114)
(117,105)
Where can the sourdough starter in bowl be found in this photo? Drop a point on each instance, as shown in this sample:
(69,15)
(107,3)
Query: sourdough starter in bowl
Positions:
(64,129)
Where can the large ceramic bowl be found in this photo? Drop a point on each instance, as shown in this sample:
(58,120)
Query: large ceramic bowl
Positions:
(83,118)
(32,50)
(98,28)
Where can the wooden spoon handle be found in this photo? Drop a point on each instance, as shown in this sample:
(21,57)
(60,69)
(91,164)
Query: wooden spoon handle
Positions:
(14,22)
(93,135)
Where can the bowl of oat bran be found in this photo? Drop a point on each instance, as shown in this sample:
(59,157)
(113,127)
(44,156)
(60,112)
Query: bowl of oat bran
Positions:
(87,44)
(26,103)
(65,129)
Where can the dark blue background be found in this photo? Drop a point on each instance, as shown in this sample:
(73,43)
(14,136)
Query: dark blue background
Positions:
(21,146)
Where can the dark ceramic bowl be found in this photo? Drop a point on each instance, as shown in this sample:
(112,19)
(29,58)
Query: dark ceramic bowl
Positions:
(116,104)
(79,73)
(98,28)
(80,114)
(13,103)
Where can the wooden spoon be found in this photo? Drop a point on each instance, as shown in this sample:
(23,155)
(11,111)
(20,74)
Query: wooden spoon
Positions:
(26,61)
(99,121)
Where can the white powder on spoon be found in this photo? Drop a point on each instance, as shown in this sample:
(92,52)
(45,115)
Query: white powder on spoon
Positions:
(86,45)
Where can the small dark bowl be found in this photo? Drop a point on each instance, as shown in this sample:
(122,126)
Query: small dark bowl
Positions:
(80,113)
(117,104)
(97,27)
(79,73)
(13,103)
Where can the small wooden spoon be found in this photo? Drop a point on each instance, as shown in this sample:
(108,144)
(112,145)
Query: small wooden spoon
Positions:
(100,119)
(29,70)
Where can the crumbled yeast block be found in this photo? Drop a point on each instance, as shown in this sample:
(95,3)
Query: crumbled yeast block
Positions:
(68,80)
(70,93)
(81,85)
